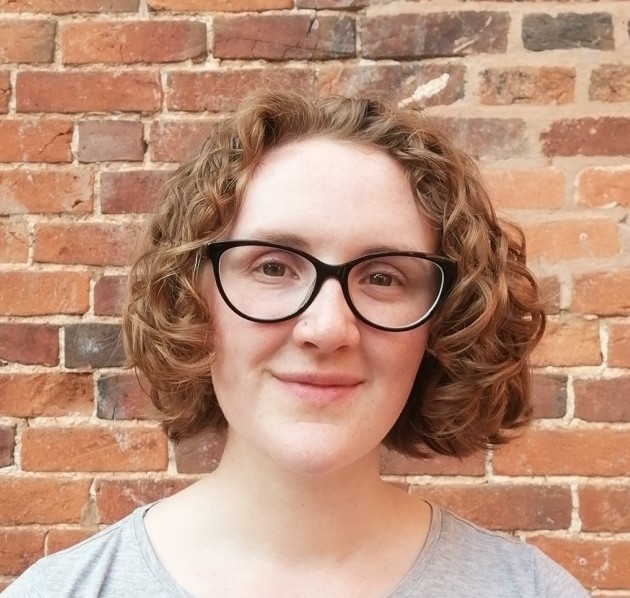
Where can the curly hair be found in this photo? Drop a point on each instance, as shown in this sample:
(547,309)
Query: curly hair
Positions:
(473,385)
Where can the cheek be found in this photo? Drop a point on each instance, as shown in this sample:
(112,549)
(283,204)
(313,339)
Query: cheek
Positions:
(223,321)
(411,349)
(403,361)
(222,340)
(411,354)
(243,350)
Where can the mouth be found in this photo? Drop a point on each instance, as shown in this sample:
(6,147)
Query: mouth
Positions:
(319,388)
(319,379)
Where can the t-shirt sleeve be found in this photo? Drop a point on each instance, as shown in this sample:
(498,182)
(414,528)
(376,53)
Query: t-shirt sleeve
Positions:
(24,586)
(552,580)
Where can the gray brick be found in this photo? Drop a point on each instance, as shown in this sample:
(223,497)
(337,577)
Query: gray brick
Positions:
(434,34)
(568,30)
(93,345)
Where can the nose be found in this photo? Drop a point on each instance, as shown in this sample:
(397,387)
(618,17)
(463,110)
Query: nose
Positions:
(328,323)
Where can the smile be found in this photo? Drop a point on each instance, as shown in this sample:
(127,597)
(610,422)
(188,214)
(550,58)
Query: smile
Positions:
(319,379)
(319,388)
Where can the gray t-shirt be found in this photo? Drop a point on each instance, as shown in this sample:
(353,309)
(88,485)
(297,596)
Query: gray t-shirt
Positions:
(459,560)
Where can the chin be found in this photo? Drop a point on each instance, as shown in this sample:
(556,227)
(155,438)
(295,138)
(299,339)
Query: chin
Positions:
(319,459)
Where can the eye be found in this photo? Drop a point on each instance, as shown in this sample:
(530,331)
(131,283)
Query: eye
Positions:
(279,266)
(383,274)
(381,279)
(273,269)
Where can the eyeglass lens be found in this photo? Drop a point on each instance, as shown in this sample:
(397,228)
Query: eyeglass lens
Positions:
(268,283)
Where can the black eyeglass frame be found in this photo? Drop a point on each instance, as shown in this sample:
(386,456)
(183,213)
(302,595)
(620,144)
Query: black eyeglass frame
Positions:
(213,251)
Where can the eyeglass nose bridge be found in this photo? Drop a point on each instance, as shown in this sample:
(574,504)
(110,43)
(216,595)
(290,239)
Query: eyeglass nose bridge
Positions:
(323,272)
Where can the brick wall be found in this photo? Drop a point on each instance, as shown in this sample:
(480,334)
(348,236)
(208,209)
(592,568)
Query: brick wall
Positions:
(99,99)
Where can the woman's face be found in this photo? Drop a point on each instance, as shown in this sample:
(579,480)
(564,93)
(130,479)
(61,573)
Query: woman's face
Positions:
(319,392)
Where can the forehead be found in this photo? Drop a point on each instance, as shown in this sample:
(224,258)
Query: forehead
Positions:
(326,191)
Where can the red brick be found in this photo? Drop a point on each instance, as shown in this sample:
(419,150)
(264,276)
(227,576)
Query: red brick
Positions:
(602,293)
(610,83)
(177,141)
(395,82)
(550,292)
(92,243)
(93,345)
(120,396)
(604,187)
(5,91)
(566,452)
(605,136)
(40,293)
(597,563)
(549,395)
(46,191)
(45,394)
(114,140)
(496,138)
(200,454)
(13,241)
(619,344)
(572,238)
(109,293)
(68,92)
(540,188)
(19,548)
(567,30)
(219,91)
(394,463)
(569,341)
(35,140)
(132,191)
(522,507)
(332,4)
(94,448)
(284,37)
(527,85)
(26,41)
(26,501)
(604,508)
(29,343)
(117,498)
(7,444)
(219,5)
(605,400)
(69,6)
(434,34)
(132,42)
(60,539)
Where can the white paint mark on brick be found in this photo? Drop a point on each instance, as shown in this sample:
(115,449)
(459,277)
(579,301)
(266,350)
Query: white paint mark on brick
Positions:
(426,90)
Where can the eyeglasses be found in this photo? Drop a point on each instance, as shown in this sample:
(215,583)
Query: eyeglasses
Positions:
(391,290)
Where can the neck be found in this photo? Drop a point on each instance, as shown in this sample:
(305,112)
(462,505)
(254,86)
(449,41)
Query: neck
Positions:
(261,504)
(346,532)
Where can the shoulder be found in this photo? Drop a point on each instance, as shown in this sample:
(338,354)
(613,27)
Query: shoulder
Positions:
(499,558)
(482,562)
(111,563)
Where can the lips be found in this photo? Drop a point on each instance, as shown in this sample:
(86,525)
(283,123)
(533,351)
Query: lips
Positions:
(319,389)
(319,379)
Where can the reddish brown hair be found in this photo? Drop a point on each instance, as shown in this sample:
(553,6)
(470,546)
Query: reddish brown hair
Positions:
(474,382)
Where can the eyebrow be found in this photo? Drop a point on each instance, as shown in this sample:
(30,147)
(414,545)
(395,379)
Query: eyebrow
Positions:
(294,241)
(288,239)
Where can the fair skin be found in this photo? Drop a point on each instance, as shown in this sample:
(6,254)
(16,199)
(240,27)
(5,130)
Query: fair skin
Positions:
(296,507)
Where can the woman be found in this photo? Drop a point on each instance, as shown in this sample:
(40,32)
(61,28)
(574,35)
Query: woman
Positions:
(325,276)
